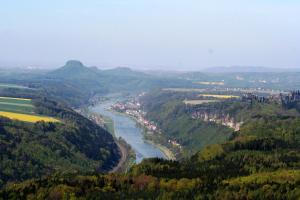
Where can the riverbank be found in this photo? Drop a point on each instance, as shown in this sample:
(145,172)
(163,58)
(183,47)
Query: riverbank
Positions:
(165,150)
(127,158)
(122,160)
(127,154)
(168,153)
(127,128)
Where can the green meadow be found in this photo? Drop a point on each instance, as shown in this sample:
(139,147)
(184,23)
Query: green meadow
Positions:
(6,85)
(17,105)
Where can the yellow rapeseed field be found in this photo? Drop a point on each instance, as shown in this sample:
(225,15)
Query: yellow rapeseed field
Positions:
(27,118)
(219,96)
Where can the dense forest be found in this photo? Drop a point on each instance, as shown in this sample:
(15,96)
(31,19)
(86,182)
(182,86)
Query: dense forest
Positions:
(177,120)
(261,161)
(171,114)
(32,150)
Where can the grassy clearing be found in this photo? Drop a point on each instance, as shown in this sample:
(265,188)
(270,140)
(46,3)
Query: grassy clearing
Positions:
(210,83)
(6,85)
(109,125)
(198,102)
(219,96)
(16,105)
(27,117)
(17,108)
(15,99)
(184,89)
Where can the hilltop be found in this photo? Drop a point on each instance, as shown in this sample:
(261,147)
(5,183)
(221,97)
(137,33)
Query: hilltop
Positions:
(80,82)
(44,148)
(74,69)
(63,142)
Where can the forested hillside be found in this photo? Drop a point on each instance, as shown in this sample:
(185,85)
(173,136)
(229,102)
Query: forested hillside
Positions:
(194,126)
(32,150)
(91,80)
(172,117)
(261,161)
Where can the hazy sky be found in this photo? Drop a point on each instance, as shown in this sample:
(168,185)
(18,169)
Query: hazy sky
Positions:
(153,34)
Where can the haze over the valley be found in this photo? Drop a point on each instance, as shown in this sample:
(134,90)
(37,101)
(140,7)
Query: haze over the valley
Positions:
(169,34)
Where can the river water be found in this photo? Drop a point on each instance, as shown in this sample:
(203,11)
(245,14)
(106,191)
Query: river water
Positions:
(126,128)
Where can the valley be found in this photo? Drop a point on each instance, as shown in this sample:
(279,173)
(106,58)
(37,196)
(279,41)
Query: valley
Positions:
(144,135)
(150,100)
(127,129)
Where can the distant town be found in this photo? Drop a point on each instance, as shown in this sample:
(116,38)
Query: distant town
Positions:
(133,109)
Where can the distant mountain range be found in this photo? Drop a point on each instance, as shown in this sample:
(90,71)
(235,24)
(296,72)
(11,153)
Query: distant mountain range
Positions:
(92,80)
(74,69)
(247,69)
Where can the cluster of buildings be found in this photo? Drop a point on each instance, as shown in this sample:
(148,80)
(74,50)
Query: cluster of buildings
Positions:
(130,105)
(175,143)
(133,109)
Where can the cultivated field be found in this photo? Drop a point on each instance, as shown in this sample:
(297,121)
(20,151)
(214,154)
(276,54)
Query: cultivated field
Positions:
(5,85)
(17,105)
(184,89)
(219,96)
(210,83)
(198,102)
(17,100)
(21,109)
(26,117)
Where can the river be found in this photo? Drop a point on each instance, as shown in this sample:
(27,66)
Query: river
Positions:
(126,128)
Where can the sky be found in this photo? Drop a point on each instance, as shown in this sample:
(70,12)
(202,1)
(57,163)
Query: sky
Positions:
(150,34)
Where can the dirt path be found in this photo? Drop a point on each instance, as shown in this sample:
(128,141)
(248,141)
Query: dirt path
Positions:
(124,156)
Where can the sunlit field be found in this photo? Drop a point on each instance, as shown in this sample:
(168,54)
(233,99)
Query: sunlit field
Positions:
(26,117)
(198,102)
(16,105)
(184,90)
(21,109)
(5,85)
(219,96)
(210,83)
(12,98)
